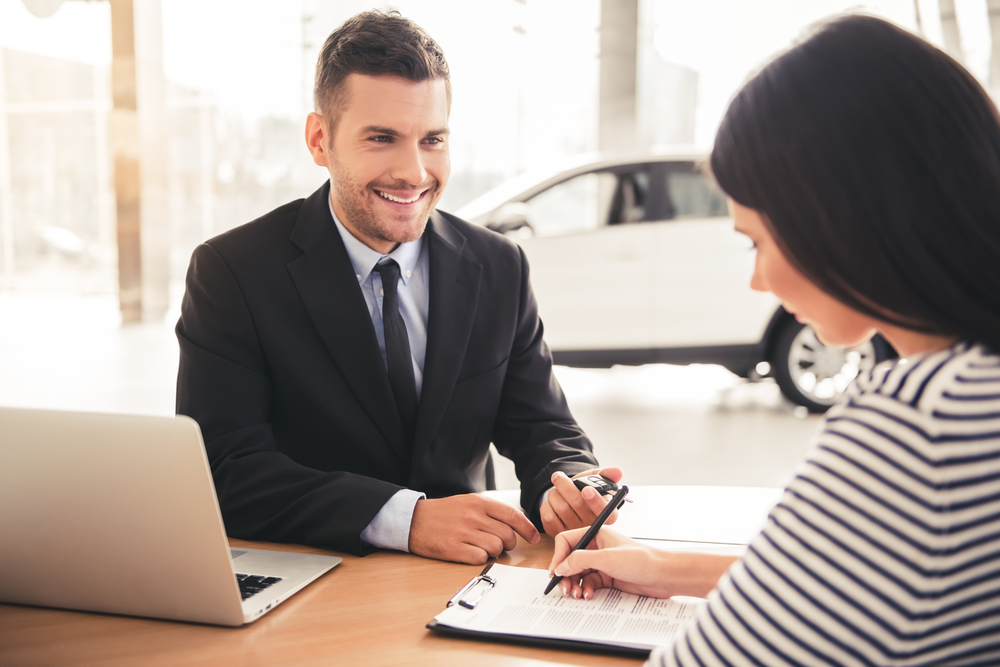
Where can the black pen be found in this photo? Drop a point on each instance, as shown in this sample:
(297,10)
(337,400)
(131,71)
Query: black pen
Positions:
(589,535)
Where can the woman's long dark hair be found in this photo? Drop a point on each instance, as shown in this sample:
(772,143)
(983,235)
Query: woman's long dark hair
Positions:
(874,159)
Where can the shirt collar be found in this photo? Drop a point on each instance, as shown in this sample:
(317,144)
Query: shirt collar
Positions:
(364,259)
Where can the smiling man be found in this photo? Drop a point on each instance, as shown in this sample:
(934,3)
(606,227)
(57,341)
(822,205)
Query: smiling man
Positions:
(350,356)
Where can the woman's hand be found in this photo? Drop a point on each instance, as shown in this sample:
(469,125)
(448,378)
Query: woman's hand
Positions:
(615,561)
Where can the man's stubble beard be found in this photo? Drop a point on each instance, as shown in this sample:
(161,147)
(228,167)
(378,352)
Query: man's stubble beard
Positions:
(352,198)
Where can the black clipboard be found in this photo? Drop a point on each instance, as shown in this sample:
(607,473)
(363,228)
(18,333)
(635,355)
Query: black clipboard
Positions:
(525,640)
(541,642)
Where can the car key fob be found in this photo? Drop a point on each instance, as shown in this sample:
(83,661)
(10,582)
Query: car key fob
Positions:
(602,485)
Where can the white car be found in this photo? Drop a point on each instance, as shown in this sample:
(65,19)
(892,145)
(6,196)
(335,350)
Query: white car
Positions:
(634,260)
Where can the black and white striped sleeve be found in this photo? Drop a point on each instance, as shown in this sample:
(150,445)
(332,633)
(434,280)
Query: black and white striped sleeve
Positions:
(885,548)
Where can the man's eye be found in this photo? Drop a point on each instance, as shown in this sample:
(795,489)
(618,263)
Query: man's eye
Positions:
(382,139)
(434,140)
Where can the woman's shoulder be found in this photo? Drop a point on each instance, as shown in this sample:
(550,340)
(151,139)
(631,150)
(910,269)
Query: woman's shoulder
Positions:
(960,383)
(915,434)
(913,426)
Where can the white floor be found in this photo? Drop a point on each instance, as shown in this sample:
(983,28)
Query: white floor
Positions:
(662,424)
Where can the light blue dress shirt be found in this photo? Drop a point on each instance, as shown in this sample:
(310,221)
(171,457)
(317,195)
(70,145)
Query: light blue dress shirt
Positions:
(390,529)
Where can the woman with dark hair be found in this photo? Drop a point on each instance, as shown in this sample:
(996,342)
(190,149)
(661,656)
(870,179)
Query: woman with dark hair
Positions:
(864,164)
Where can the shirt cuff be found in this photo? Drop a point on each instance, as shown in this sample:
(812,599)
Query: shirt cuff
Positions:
(545,496)
(390,529)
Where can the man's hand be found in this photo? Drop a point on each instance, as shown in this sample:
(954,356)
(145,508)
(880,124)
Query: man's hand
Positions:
(567,507)
(467,529)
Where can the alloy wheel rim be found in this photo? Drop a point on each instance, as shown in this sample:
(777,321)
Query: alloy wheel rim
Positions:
(822,374)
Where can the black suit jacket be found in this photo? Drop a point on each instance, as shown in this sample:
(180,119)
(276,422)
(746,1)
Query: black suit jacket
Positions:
(280,366)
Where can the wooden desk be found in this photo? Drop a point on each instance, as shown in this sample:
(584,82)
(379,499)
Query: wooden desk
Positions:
(366,611)
(372,610)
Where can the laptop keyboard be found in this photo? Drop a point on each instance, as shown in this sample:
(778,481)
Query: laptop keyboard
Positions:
(251,584)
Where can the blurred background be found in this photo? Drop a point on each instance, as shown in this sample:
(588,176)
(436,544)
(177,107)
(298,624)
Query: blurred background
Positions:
(132,130)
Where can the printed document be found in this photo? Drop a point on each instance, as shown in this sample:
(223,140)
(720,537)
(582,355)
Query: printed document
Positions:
(516,606)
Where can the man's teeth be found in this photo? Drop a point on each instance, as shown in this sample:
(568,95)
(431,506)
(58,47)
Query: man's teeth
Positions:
(397,199)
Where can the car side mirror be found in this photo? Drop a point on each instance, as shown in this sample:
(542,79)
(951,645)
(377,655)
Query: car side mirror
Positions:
(512,219)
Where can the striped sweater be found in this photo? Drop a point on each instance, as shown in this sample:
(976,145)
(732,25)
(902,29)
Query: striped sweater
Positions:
(885,548)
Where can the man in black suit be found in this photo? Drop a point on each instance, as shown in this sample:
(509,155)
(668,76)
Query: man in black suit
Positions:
(351,356)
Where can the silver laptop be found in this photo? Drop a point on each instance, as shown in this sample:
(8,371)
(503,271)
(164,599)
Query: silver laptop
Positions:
(118,514)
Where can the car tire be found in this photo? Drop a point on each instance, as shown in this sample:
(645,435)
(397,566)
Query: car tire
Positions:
(815,376)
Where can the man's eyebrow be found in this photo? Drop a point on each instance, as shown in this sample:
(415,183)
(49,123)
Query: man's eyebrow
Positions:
(378,129)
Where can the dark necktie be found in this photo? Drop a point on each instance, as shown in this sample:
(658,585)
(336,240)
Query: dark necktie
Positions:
(397,350)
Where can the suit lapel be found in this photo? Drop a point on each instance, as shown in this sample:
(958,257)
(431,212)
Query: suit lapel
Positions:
(328,286)
(454,294)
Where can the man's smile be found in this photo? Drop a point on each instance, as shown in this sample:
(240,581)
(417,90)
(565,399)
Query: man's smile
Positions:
(398,199)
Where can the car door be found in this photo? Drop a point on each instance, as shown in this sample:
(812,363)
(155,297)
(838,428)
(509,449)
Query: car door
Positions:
(702,294)
(590,251)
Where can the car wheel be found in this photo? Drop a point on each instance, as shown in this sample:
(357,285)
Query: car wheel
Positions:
(814,375)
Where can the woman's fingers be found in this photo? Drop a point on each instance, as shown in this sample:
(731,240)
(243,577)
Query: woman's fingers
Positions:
(588,559)
(564,543)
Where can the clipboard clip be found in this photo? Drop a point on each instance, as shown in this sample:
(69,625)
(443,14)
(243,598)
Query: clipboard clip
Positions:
(483,583)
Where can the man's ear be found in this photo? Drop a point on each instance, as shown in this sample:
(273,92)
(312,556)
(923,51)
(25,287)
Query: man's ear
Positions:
(316,139)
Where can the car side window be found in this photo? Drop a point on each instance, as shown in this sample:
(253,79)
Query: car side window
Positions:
(631,201)
(575,205)
(692,194)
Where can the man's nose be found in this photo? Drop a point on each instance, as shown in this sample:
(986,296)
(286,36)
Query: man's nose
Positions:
(409,165)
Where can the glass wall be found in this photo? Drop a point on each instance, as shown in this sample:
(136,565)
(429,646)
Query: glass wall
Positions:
(238,78)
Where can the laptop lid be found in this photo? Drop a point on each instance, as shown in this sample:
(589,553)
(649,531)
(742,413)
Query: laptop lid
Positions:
(113,513)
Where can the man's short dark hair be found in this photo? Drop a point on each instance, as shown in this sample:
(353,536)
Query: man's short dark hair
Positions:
(374,43)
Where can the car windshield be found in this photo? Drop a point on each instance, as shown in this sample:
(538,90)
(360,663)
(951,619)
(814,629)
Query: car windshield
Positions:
(581,203)
(531,180)
(509,190)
